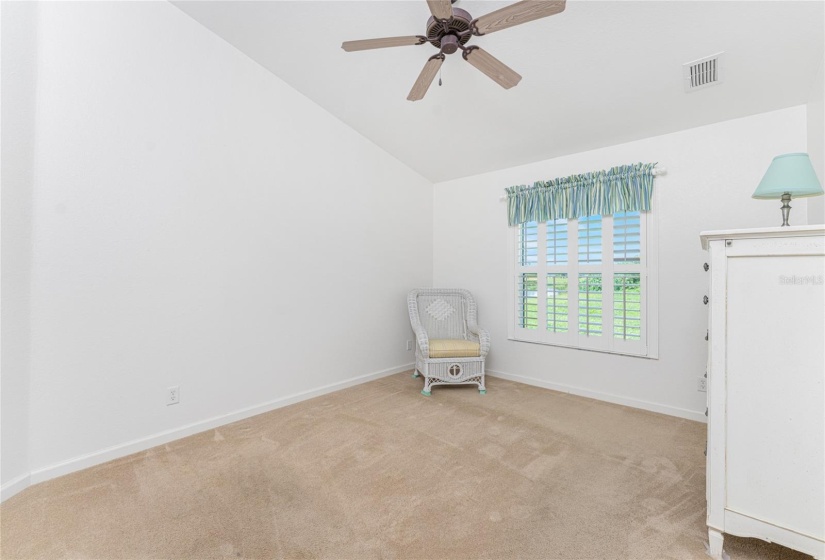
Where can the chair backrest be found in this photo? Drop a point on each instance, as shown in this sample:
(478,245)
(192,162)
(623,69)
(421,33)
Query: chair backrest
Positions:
(443,312)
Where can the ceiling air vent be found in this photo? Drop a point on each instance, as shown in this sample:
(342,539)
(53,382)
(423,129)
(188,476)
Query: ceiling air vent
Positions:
(703,73)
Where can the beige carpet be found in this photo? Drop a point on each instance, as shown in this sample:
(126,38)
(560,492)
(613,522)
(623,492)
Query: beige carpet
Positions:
(379,471)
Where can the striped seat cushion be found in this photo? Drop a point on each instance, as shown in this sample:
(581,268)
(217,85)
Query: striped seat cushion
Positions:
(450,348)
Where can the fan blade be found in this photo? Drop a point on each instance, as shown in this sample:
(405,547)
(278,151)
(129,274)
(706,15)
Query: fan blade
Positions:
(367,44)
(425,78)
(516,14)
(500,73)
(441,9)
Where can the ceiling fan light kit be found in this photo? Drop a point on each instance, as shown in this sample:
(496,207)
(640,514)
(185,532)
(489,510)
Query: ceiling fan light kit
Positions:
(449,29)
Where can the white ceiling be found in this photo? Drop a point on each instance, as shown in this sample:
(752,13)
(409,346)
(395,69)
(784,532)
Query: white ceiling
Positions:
(599,73)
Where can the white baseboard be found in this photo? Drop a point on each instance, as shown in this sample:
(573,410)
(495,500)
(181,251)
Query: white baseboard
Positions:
(14,486)
(607,397)
(121,450)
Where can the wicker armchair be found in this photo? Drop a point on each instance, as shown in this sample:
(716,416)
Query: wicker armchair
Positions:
(450,346)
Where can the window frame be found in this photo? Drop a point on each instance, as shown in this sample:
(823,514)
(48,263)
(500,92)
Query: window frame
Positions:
(646,347)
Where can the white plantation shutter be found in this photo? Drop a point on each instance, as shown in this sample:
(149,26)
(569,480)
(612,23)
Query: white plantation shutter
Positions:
(590,304)
(583,283)
(627,306)
(626,238)
(527,301)
(590,240)
(557,302)
(528,244)
(557,247)
(629,283)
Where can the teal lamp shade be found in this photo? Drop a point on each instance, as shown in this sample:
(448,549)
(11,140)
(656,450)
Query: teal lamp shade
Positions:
(790,175)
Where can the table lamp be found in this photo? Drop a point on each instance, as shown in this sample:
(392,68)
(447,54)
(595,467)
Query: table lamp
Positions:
(789,175)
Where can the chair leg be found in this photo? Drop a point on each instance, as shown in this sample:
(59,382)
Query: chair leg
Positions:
(415,374)
(427,390)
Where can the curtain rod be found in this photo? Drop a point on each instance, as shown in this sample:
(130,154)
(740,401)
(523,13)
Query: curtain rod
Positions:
(656,172)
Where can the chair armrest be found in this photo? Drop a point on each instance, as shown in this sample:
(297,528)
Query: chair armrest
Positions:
(423,341)
(483,338)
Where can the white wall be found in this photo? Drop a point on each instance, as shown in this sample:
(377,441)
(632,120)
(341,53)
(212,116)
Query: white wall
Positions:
(16,175)
(712,172)
(197,222)
(816,142)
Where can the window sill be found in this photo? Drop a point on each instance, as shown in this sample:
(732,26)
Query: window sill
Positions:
(648,356)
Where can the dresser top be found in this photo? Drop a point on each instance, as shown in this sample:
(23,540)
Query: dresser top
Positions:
(789,231)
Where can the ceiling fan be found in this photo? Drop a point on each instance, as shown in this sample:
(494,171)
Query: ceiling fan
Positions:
(450,28)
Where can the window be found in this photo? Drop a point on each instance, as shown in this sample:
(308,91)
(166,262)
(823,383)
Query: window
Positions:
(586,283)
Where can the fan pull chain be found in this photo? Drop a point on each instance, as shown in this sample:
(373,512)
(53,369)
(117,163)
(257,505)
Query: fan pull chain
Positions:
(439,76)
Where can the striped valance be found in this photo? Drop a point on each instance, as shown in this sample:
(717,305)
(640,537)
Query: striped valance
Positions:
(620,189)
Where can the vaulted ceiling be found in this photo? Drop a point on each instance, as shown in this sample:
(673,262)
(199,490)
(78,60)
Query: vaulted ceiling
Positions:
(600,73)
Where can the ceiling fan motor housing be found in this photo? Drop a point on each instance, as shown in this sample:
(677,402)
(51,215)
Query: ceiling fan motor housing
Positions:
(449,44)
(437,30)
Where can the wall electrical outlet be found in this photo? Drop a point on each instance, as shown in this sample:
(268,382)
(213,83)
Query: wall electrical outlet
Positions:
(173,395)
(409,345)
(702,384)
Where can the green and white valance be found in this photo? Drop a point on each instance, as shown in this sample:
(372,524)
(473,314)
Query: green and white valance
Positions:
(626,188)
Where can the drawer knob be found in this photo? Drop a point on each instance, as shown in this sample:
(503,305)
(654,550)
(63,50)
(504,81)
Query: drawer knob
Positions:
(705,300)
(706,267)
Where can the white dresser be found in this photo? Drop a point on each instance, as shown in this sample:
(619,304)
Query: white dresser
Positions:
(766,387)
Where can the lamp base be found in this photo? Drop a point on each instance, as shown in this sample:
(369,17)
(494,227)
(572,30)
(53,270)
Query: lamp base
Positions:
(786,208)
